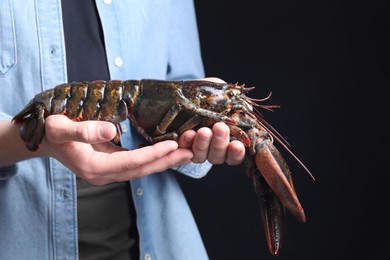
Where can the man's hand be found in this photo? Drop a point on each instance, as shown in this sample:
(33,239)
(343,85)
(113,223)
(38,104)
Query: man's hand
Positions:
(85,148)
(213,145)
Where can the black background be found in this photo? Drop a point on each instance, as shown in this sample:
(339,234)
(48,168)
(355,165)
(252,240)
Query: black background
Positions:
(327,64)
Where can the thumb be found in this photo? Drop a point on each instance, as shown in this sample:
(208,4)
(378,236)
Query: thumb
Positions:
(60,129)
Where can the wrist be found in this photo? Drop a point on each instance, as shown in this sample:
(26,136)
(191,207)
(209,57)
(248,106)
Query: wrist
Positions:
(12,147)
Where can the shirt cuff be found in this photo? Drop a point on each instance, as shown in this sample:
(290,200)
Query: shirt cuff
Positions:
(4,116)
(9,171)
(194,170)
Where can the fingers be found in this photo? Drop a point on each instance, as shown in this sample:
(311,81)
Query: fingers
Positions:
(127,165)
(201,144)
(186,139)
(236,153)
(131,159)
(213,145)
(219,144)
(60,129)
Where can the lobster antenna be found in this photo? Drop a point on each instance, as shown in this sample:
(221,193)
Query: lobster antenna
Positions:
(282,141)
(260,117)
(257,99)
(273,132)
(266,107)
(295,157)
(270,128)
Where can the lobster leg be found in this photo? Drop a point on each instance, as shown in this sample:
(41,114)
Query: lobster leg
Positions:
(218,117)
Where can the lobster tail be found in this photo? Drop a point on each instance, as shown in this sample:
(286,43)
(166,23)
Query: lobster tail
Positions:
(33,127)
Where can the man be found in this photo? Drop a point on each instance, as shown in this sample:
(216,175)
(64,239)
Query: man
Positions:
(46,212)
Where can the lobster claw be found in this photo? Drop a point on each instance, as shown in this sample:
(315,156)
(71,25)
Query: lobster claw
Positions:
(275,191)
(272,213)
(277,174)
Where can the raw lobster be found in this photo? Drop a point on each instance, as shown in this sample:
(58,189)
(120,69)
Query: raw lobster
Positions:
(162,110)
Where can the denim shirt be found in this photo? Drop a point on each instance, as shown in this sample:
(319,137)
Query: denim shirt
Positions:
(38,210)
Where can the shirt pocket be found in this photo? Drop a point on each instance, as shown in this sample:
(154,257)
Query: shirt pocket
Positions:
(7,38)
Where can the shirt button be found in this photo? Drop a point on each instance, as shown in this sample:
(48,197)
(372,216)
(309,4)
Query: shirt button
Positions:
(147,256)
(124,128)
(118,61)
(139,191)
(52,50)
(107,2)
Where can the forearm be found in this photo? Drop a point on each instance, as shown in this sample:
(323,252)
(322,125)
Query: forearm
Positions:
(12,149)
